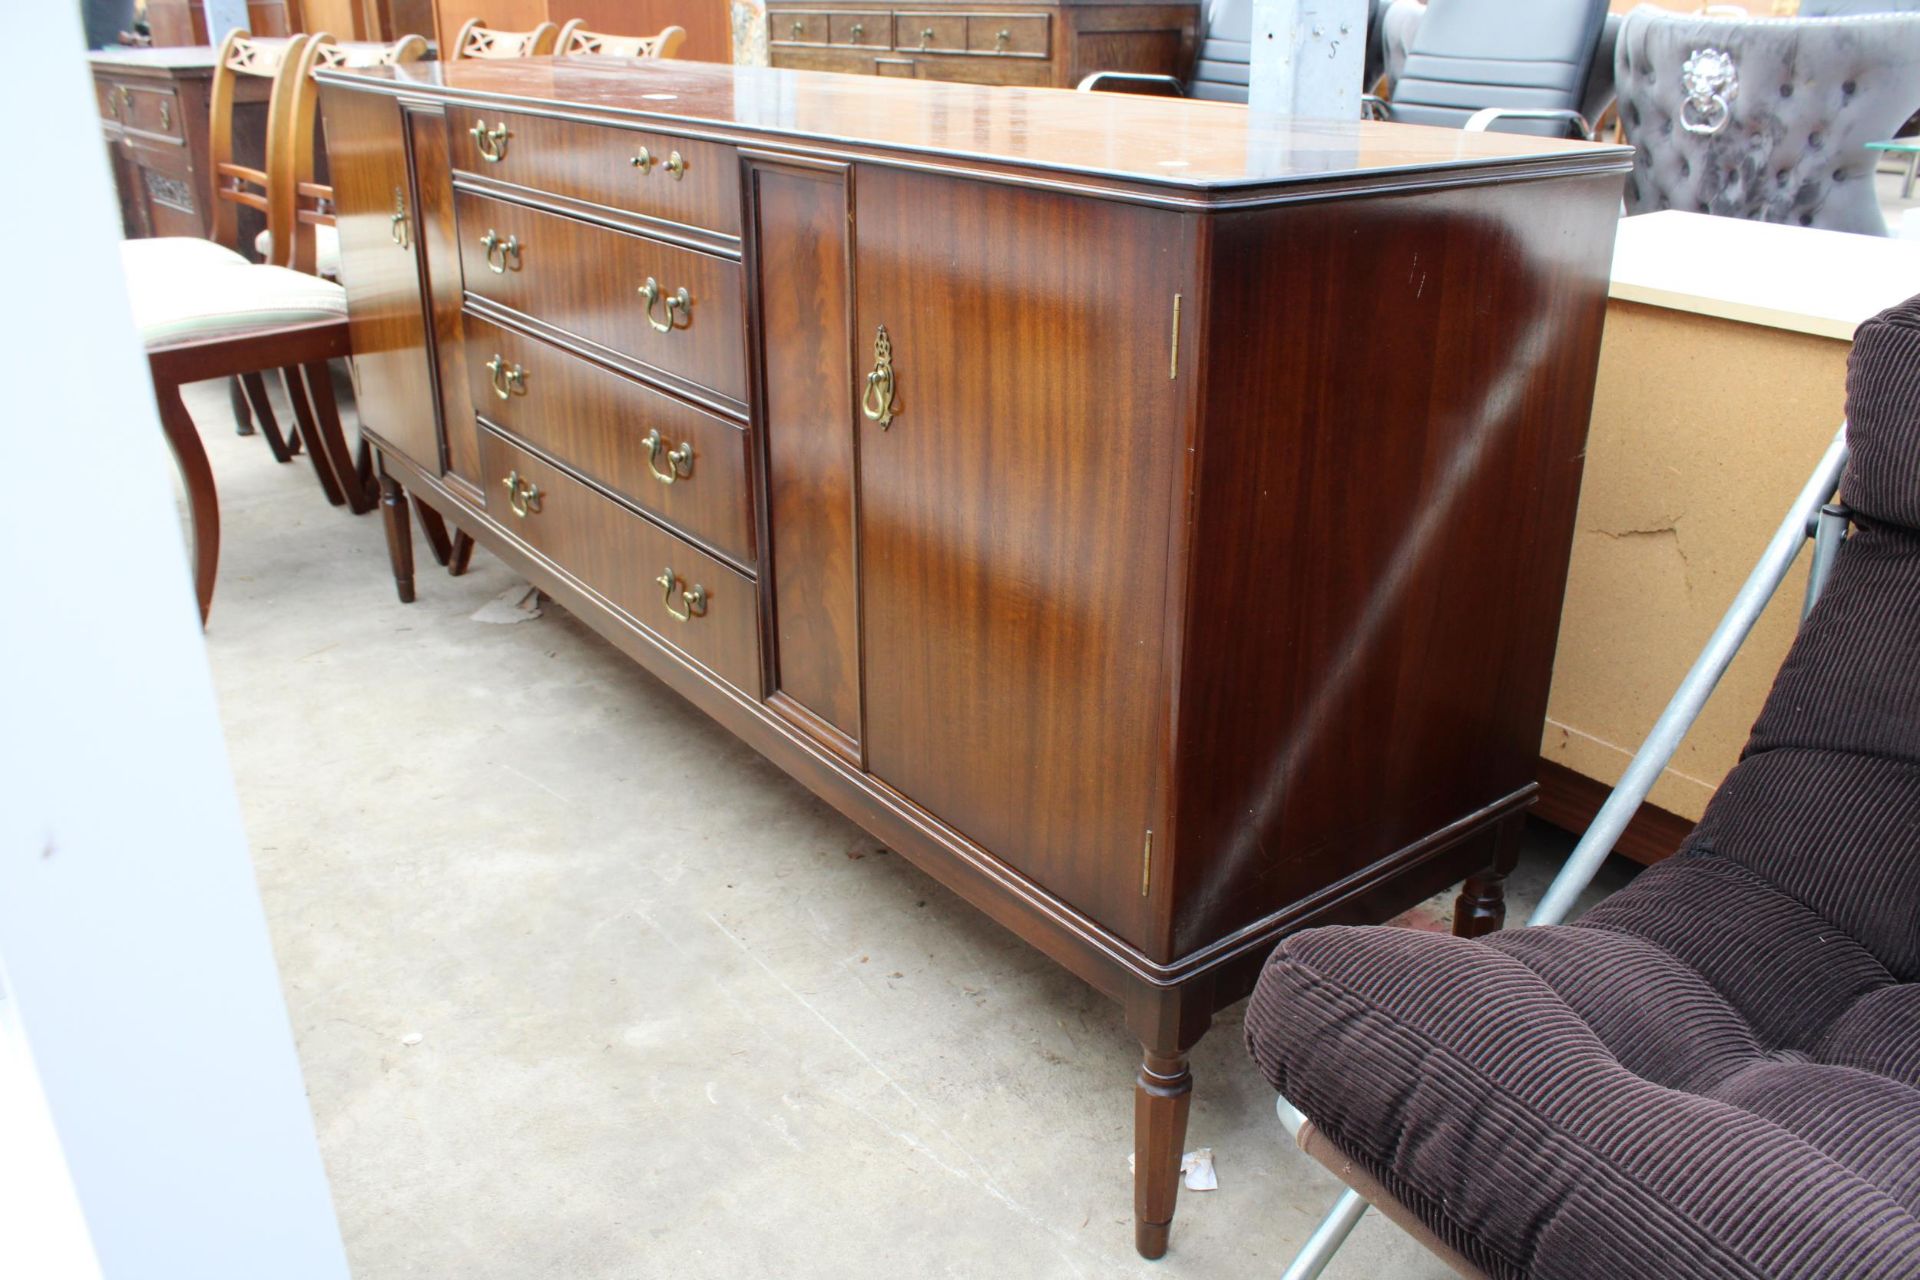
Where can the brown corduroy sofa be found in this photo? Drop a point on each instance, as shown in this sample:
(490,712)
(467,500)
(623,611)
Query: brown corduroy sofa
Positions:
(1716,1072)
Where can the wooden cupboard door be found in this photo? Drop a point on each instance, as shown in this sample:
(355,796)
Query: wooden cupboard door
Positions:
(1015,519)
(379,227)
(437,242)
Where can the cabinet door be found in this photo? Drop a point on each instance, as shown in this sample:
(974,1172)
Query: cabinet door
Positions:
(1014,519)
(380,267)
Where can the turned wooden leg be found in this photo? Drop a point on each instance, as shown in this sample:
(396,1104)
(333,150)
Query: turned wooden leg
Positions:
(435,530)
(1168,1021)
(203,504)
(393,509)
(1481,907)
(462,553)
(1161,1092)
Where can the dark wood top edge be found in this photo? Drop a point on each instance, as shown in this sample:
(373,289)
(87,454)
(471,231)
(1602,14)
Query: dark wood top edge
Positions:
(1169,190)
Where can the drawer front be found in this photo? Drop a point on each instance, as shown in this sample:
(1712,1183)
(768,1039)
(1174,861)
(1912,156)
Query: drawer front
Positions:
(930,32)
(902,67)
(800,26)
(687,467)
(112,105)
(624,557)
(155,111)
(862,30)
(1012,34)
(588,280)
(680,180)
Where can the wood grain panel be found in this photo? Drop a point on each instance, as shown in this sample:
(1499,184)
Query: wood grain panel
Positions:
(367,147)
(801,259)
(596,421)
(595,163)
(439,247)
(1013,519)
(1382,521)
(585,279)
(619,555)
(709,39)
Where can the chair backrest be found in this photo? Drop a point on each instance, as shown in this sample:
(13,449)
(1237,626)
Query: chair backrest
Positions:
(478,41)
(1772,120)
(1468,55)
(237,185)
(576,41)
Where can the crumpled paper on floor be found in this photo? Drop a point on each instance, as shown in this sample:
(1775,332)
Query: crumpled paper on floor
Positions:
(1196,1169)
(518,603)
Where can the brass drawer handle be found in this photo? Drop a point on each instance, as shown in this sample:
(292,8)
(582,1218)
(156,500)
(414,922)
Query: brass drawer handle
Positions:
(645,161)
(123,101)
(679,461)
(523,496)
(492,142)
(878,402)
(859,29)
(397,224)
(798,29)
(694,597)
(678,301)
(508,380)
(166,113)
(926,35)
(502,255)
(1000,39)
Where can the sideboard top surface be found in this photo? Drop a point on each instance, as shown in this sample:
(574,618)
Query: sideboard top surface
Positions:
(1198,149)
(177,58)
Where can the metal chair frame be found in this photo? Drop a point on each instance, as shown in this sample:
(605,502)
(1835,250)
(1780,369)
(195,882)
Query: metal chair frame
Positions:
(1813,515)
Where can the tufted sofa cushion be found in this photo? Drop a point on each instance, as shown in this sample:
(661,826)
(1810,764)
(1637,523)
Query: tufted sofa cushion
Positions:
(1716,1072)
(1812,92)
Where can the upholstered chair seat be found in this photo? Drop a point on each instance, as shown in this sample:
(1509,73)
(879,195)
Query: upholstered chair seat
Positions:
(1716,1072)
(216,299)
(1787,142)
(326,249)
(174,254)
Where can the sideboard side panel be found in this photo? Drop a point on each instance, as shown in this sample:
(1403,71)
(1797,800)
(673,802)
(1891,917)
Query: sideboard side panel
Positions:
(801,263)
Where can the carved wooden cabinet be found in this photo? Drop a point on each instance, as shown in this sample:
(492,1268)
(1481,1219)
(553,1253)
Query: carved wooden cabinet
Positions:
(1059,42)
(153,111)
(1149,518)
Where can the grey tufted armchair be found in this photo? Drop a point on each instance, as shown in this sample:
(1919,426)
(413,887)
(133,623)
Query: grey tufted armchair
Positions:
(1777,130)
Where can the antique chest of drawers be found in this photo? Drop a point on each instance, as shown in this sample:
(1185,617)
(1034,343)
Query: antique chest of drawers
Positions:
(1149,518)
(1055,43)
(153,110)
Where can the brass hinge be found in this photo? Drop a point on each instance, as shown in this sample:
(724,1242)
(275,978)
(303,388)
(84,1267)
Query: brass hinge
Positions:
(1146,866)
(1173,357)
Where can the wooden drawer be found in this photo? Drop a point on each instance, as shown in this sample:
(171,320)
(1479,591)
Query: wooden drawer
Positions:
(800,26)
(623,556)
(111,105)
(596,163)
(617,432)
(930,32)
(587,279)
(1014,34)
(862,30)
(902,67)
(155,110)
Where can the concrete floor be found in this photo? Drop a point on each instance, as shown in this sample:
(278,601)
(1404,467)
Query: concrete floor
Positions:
(585,988)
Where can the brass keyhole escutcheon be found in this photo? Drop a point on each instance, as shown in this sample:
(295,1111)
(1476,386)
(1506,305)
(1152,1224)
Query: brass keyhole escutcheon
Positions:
(523,496)
(878,401)
(502,255)
(491,142)
(679,461)
(508,380)
(693,600)
(679,304)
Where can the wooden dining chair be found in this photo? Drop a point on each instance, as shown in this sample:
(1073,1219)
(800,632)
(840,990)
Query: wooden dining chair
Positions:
(575,41)
(479,41)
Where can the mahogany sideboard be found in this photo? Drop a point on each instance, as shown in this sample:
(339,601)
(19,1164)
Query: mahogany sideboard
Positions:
(1052,42)
(154,112)
(1149,518)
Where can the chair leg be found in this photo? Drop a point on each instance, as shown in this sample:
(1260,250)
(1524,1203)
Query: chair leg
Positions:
(435,530)
(393,509)
(462,553)
(256,389)
(242,415)
(203,503)
(1481,907)
(310,433)
(354,476)
(1327,1238)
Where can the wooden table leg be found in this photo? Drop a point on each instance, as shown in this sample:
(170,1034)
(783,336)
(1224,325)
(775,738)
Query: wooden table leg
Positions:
(462,553)
(203,503)
(393,509)
(1168,1021)
(1481,907)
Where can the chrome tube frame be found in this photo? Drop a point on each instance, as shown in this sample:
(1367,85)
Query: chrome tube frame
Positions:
(1811,516)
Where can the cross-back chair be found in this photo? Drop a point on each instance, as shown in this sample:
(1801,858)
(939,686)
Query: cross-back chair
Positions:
(477,40)
(576,41)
